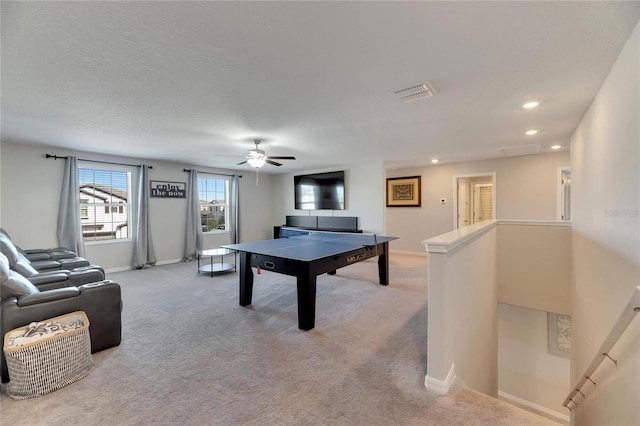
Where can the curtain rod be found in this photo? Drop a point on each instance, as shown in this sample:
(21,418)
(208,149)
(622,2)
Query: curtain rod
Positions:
(55,157)
(211,173)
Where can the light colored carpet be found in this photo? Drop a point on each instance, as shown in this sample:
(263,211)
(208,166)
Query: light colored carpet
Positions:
(191,355)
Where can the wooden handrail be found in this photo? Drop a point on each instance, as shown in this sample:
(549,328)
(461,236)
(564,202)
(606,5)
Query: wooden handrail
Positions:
(627,315)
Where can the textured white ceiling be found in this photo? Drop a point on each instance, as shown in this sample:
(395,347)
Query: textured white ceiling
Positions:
(197,81)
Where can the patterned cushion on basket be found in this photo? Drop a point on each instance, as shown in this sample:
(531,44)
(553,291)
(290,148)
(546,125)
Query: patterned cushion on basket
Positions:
(38,330)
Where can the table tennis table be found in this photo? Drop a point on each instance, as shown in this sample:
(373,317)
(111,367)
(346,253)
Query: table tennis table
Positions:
(305,255)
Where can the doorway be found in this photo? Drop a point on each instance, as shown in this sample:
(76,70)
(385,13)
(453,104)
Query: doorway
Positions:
(564,194)
(475,199)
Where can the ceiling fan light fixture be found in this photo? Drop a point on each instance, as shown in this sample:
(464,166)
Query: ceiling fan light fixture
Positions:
(256,162)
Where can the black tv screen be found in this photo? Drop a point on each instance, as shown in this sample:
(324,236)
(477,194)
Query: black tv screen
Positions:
(320,191)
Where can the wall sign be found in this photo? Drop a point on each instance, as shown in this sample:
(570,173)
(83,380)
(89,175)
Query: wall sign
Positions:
(161,189)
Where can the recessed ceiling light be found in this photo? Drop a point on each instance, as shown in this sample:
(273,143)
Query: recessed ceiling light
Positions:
(434,161)
(556,147)
(531,132)
(530,105)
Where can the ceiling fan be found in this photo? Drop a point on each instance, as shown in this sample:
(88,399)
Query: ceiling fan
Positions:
(258,158)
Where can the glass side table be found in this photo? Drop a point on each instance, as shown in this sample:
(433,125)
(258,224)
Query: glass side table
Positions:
(216,266)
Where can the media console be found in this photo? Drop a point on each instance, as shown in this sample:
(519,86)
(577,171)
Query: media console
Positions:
(320,223)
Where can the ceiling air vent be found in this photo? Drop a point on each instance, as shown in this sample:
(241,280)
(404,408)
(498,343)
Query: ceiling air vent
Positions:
(514,151)
(419,91)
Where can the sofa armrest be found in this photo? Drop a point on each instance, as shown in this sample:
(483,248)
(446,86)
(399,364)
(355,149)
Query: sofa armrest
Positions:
(45,265)
(102,300)
(48,296)
(34,257)
(85,276)
(30,251)
(84,268)
(49,277)
(75,262)
(59,255)
(48,250)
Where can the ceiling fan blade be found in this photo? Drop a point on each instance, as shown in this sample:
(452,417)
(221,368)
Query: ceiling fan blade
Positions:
(282,158)
(239,164)
(273,162)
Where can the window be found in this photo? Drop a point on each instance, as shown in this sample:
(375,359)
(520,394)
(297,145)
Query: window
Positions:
(213,194)
(84,210)
(104,204)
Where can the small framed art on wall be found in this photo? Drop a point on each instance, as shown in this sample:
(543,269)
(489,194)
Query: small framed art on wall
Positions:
(403,191)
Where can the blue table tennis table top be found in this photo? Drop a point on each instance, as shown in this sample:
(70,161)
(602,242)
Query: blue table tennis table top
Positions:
(307,246)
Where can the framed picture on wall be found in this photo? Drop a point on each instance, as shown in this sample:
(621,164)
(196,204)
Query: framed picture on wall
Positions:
(403,191)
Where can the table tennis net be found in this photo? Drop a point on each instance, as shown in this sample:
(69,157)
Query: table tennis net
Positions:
(365,239)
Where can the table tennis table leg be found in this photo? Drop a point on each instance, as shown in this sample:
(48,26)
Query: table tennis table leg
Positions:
(383,263)
(306,300)
(246,279)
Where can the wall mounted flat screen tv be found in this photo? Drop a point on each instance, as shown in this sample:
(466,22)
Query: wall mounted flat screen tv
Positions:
(319,191)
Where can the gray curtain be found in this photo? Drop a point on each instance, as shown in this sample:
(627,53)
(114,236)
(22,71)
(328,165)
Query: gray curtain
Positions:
(69,225)
(143,254)
(234,209)
(193,235)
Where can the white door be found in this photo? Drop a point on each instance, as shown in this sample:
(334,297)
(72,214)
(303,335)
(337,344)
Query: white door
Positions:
(463,187)
(463,202)
(564,193)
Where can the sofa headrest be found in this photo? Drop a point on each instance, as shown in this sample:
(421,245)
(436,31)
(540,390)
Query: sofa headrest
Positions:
(17,261)
(12,283)
(8,248)
(4,266)
(24,267)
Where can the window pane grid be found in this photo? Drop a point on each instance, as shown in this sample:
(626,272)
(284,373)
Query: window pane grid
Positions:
(104,204)
(212,194)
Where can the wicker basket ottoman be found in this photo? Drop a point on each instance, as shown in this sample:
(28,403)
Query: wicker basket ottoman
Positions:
(47,355)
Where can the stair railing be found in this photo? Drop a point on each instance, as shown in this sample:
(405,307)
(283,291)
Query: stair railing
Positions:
(627,315)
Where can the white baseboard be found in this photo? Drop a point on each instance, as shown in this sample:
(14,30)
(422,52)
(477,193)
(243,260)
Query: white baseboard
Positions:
(168,262)
(441,386)
(410,253)
(128,268)
(534,407)
(120,269)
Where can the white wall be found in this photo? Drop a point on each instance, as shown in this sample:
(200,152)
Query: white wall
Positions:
(462,323)
(364,187)
(542,278)
(31,189)
(606,240)
(526,370)
(525,188)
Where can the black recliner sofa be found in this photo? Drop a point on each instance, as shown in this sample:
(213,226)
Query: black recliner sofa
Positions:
(21,303)
(49,279)
(41,259)
(43,254)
